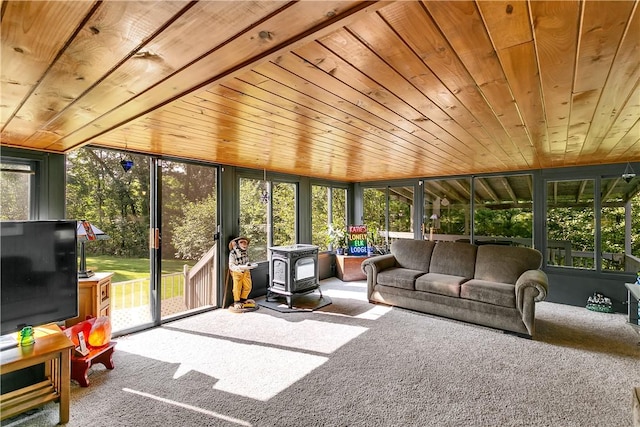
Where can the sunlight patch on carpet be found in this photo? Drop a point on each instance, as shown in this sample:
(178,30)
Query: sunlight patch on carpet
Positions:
(260,326)
(231,363)
(375,313)
(352,294)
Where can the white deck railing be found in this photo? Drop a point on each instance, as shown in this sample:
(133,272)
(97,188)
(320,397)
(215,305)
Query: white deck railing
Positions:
(193,288)
(200,281)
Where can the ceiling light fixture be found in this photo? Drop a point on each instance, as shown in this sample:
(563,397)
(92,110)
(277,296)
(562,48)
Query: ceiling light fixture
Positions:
(628,173)
(264,197)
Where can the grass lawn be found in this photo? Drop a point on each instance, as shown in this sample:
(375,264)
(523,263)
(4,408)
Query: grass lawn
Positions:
(126,269)
(132,268)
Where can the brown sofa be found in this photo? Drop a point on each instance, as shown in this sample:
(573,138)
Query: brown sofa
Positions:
(490,285)
(636,407)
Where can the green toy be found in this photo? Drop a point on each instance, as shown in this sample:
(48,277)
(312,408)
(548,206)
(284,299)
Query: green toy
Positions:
(26,336)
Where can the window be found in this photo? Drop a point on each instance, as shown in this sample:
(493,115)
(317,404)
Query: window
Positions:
(447,209)
(261,201)
(503,211)
(620,224)
(284,214)
(338,207)
(401,212)
(16,180)
(571,223)
(328,209)
(253,216)
(375,202)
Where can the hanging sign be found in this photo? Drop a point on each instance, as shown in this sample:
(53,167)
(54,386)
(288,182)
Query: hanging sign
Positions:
(357,239)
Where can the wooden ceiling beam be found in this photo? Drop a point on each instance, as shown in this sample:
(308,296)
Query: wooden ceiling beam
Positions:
(612,186)
(581,188)
(487,189)
(508,189)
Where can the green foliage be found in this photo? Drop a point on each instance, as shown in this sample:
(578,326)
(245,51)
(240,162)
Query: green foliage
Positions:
(374,209)
(115,201)
(338,238)
(14,195)
(193,230)
(399,215)
(572,224)
(319,216)
(323,198)
(118,203)
(253,217)
(188,197)
(503,223)
(284,214)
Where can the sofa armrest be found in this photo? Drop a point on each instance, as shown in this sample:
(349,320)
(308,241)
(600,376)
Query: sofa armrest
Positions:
(531,286)
(532,279)
(372,266)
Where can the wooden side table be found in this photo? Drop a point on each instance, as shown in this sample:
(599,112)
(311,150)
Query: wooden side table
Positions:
(348,267)
(53,348)
(94,297)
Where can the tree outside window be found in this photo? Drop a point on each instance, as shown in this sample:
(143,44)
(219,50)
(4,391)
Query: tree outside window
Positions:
(620,217)
(253,217)
(284,214)
(571,223)
(447,209)
(15,191)
(328,212)
(503,211)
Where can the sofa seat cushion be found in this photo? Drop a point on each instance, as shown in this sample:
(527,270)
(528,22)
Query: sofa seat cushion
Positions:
(399,277)
(442,284)
(503,294)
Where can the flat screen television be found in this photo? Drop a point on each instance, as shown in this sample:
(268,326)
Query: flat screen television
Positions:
(39,273)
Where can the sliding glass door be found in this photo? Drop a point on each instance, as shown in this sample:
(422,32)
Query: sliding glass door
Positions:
(189,206)
(160,217)
(112,191)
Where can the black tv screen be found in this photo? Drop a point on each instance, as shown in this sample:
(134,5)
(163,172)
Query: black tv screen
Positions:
(39,273)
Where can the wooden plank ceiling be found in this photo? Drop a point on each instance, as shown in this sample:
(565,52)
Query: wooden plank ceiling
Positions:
(343,90)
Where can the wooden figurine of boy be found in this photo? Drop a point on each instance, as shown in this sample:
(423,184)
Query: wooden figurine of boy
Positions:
(241,273)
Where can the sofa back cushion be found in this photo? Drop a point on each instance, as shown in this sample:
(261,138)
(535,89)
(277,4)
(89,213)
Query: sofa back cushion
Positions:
(454,258)
(413,254)
(504,264)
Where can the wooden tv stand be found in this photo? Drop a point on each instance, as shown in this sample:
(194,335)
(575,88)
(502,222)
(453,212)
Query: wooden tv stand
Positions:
(53,348)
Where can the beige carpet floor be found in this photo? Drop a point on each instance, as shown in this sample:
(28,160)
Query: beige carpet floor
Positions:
(352,363)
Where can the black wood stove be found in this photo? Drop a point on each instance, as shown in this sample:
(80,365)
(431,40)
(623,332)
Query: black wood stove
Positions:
(293,270)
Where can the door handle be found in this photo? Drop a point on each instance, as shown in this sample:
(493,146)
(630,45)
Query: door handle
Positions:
(154,238)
